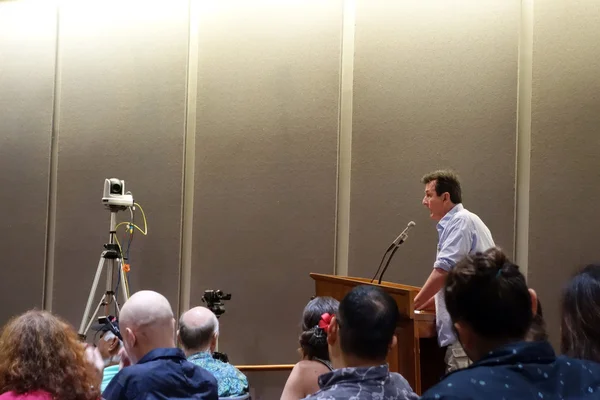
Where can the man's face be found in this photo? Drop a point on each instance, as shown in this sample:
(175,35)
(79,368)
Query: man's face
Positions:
(437,205)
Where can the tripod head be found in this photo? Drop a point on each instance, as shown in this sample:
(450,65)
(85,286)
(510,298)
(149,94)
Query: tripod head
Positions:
(214,301)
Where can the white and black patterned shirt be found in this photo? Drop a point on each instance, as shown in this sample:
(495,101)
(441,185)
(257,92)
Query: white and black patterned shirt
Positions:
(363,384)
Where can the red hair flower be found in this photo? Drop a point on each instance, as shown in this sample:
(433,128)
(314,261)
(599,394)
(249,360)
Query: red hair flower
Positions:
(325,321)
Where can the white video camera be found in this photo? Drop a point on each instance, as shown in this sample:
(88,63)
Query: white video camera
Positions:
(114,195)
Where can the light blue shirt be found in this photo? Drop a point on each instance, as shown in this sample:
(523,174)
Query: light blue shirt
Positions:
(107,375)
(460,233)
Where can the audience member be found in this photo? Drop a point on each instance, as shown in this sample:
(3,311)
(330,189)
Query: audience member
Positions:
(492,310)
(198,335)
(158,370)
(537,330)
(42,358)
(303,379)
(109,345)
(360,337)
(580,334)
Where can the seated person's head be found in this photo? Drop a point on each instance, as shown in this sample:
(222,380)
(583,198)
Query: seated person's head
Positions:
(362,332)
(313,339)
(537,331)
(108,344)
(580,334)
(489,302)
(146,323)
(198,331)
(40,352)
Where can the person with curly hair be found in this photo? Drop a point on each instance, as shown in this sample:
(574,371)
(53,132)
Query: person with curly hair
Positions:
(303,379)
(42,358)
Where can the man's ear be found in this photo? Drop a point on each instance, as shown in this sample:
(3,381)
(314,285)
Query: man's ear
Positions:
(534,301)
(213,342)
(393,343)
(130,337)
(332,331)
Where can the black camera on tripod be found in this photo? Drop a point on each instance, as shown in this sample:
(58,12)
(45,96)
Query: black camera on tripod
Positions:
(214,301)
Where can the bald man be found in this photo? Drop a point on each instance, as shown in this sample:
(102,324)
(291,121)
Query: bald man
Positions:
(158,370)
(198,334)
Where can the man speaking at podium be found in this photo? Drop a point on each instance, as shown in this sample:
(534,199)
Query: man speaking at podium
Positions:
(460,233)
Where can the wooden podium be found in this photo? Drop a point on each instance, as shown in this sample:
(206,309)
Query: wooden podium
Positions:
(417,357)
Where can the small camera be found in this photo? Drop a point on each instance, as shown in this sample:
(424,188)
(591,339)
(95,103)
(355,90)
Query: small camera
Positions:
(214,301)
(114,195)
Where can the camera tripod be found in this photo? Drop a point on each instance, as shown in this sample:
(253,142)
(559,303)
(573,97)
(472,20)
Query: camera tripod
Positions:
(109,260)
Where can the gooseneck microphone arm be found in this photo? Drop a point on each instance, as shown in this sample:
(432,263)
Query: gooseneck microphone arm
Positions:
(392,248)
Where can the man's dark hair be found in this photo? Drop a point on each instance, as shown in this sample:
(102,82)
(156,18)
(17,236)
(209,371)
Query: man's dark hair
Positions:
(445,181)
(489,293)
(580,333)
(197,338)
(367,318)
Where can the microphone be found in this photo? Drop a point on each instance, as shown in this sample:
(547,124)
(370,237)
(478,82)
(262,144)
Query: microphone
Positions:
(394,246)
(404,235)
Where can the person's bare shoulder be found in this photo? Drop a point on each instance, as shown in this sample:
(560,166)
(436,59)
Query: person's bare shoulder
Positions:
(311,367)
(303,379)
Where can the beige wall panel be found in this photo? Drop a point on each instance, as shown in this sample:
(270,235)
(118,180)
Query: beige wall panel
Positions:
(435,86)
(27,65)
(122,110)
(266,152)
(565,162)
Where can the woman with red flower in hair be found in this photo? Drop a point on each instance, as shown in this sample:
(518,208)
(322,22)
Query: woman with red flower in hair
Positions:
(313,349)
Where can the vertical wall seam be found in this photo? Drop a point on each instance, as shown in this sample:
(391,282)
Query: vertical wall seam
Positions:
(523,159)
(48,278)
(189,164)
(344,168)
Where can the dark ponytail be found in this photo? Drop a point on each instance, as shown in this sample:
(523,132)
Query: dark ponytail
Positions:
(313,339)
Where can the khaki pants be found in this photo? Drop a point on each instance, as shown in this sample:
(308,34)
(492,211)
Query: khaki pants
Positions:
(456,358)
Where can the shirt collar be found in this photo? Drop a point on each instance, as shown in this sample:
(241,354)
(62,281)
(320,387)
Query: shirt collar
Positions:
(162,353)
(520,352)
(449,215)
(200,355)
(378,372)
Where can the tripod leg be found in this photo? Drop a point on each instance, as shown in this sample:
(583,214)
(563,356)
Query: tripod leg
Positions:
(88,307)
(89,324)
(116,304)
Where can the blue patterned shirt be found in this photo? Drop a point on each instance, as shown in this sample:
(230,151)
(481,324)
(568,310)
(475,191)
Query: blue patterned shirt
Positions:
(365,383)
(525,370)
(460,233)
(230,380)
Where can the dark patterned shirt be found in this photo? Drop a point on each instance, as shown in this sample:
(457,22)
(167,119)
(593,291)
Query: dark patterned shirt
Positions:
(230,380)
(525,370)
(363,383)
